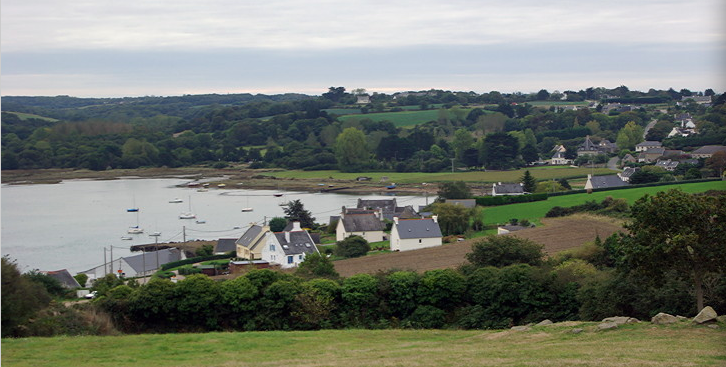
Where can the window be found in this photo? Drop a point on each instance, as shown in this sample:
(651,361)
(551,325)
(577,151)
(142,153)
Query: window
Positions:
(289,259)
(299,257)
(272,247)
(419,240)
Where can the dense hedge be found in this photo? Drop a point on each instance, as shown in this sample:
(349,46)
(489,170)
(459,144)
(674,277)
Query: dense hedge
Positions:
(504,200)
(571,192)
(193,260)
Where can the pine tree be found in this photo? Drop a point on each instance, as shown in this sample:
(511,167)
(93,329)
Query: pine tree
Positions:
(528,182)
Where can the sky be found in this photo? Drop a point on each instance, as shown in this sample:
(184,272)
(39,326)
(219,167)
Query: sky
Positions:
(101,48)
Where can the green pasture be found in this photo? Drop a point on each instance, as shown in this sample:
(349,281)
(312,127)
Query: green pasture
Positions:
(556,103)
(539,173)
(27,116)
(401,118)
(641,344)
(538,209)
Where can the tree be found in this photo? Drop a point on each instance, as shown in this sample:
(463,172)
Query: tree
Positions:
(629,135)
(717,162)
(454,190)
(81,278)
(335,94)
(351,150)
(543,95)
(317,265)
(278,224)
(462,141)
(295,211)
(677,231)
(453,219)
(529,183)
(21,298)
(353,246)
(530,154)
(503,251)
(499,151)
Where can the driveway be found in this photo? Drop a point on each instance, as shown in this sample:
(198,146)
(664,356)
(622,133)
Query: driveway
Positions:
(613,163)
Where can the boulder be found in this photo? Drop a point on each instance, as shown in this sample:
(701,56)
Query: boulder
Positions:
(681,318)
(521,328)
(545,323)
(663,319)
(706,315)
(577,330)
(713,326)
(621,320)
(607,326)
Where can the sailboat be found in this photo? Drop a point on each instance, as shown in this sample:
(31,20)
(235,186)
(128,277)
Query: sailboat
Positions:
(248,208)
(189,214)
(135,229)
(133,209)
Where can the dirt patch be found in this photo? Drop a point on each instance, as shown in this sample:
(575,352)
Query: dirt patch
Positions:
(556,235)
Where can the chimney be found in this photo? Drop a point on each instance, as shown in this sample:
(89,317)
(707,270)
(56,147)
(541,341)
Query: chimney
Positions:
(395,220)
(435,218)
(296,227)
(287,236)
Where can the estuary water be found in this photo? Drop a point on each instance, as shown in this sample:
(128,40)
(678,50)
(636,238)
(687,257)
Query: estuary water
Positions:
(68,225)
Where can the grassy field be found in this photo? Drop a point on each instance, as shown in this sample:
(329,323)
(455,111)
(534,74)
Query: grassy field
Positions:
(401,118)
(540,173)
(555,345)
(538,209)
(26,116)
(556,103)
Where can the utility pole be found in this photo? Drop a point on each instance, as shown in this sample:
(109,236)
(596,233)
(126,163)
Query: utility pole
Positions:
(452,164)
(111,258)
(105,262)
(184,234)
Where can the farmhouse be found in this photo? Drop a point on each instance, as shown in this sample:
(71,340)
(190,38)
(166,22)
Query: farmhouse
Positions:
(601,182)
(646,145)
(627,173)
(707,151)
(368,226)
(589,148)
(499,189)
(137,265)
(414,234)
(651,155)
(288,248)
(388,208)
(559,159)
(250,244)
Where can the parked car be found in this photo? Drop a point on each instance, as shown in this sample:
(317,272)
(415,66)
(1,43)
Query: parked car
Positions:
(92,295)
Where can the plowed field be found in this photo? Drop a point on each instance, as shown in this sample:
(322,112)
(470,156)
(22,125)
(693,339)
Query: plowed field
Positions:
(556,234)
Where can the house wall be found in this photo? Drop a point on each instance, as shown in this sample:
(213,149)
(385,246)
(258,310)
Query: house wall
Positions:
(399,244)
(277,255)
(370,236)
(340,233)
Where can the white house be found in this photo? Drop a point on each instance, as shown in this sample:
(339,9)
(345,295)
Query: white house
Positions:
(414,234)
(368,226)
(288,248)
(137,265)
(601,182)
(646,145)
(559,159)
(499,189)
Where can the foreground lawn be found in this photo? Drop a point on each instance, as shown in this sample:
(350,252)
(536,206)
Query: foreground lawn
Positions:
(543,173)
(634,345)
(538,209)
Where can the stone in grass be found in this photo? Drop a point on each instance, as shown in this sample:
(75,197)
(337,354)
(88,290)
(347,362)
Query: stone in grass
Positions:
(545,323)
(681,318)
(713,326)
(607,326)
(663,319)
(706,315)
(621,320)
(576,330)
(521,328)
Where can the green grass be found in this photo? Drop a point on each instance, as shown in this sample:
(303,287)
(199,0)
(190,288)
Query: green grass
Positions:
(27,116)
(400,119)
(419,177)
(632,345)
(538,209)
(556,103)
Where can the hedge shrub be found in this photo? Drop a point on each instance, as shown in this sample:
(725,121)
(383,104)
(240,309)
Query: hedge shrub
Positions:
(193,260)
(504,200)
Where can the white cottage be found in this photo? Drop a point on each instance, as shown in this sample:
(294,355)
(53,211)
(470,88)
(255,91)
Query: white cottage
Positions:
(368,226)
(288,248)
(414,234)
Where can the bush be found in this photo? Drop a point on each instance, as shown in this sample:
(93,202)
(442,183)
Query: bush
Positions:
(504,200)
(427,317)
(193,260)
(189,270)
(502,251)
(353,246)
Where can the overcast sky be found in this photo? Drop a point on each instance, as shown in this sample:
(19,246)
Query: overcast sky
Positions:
(157,47)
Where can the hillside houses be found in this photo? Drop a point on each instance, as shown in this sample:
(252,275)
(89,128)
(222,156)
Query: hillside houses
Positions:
(136,265)
(368,226)
(500,189)
(415,234)
(288,248)
(603,182)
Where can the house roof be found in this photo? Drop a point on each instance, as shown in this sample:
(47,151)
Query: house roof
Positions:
(362,223)
(667,164)
(508,188)
(387,205)
(418,228)
(513,228)
(226,245)
(709,149)
(406,212)
(166,255)
(588,145)
(250,237)
(558,154)
(628,171)
(648,143)
(64,278)
(300,242)
(467,203)
(600,182)
(629,157)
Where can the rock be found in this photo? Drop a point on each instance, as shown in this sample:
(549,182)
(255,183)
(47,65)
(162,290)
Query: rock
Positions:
(706,315)
(681,318)
(521,328)
(545,323)
(576,331)
(713,326)
(663,319)
(607,326)
(621,320)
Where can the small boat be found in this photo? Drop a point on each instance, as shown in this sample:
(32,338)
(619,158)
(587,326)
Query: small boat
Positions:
(200,221)
(135,230)
(193,184)
(187,215)
(202,190)
(132,210)
(277,195)
(221,186)
(236,227)
(391,186)
(127,238)
(205,185)
(247,209)
(176,200)
(155,234)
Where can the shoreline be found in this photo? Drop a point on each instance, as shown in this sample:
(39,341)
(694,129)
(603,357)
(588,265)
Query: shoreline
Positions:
(233,178)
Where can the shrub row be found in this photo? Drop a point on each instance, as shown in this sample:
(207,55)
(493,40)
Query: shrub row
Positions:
(504,200)
(193,260)
(651,184)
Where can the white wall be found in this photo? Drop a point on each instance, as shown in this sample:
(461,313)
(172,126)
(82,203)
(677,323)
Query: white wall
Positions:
(398,244)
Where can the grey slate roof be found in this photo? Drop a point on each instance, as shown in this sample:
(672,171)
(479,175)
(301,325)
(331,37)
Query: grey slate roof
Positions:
(300,242)
(599,182)
(508,188)
(387,205)
(226,245)
(166,255)
(628,171)
(709,149)
(466,203)
(588,146)
(649,144)
(406,212)
(249,236)
(64,278)
(362,223)
(418,228)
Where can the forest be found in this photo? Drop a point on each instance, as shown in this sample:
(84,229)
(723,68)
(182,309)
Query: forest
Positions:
(293,131)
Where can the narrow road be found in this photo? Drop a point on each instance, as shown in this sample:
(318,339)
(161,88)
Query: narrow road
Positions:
(650,126)
(613,163)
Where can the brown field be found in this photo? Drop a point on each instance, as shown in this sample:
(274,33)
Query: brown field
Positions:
(556,235)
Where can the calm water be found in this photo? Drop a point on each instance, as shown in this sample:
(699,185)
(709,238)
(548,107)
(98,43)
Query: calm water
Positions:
(67,225)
